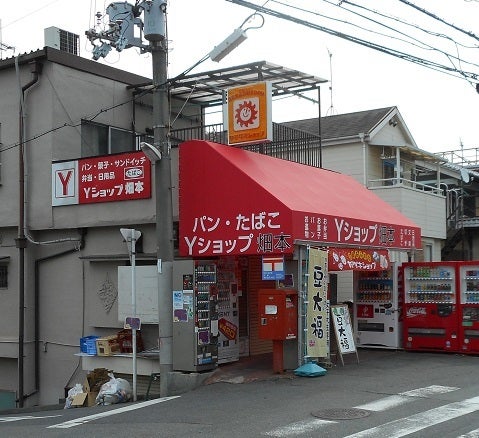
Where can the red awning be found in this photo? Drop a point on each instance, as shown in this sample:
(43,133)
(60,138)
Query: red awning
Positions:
(235,202)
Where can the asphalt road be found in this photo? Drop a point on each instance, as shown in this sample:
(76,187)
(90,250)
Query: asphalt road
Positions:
(388,394)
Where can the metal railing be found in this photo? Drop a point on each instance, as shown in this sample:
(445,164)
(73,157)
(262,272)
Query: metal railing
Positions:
(403,182)
(462,157)
(288,143)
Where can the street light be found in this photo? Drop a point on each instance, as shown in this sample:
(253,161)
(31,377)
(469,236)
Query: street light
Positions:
(131,236)
(152,153)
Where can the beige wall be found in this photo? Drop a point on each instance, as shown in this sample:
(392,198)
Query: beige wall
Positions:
(347,159)
(425,209)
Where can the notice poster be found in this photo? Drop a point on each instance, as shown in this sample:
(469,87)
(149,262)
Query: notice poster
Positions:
(317,329)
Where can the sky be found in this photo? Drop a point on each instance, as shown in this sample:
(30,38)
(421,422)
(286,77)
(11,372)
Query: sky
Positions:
(439,103)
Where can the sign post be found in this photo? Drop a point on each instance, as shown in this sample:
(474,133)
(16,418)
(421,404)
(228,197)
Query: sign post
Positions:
(131,236)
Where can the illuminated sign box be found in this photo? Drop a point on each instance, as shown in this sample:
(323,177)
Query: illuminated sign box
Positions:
(247,114)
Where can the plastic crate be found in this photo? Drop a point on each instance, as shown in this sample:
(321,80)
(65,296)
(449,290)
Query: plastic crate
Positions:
(88,344)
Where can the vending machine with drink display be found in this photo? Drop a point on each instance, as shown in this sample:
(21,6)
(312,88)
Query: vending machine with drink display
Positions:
(431,312)
(228,310)
(377,310)
(468,294)
(195,316)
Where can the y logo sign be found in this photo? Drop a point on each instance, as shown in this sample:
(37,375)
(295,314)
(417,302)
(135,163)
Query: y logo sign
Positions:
(64,183)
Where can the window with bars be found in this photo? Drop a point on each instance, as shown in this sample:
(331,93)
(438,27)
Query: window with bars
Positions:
(3,276)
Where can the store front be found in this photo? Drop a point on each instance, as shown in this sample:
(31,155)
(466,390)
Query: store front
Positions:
(260,217)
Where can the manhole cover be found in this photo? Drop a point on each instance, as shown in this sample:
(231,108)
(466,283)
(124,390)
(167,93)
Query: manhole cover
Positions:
(341,414)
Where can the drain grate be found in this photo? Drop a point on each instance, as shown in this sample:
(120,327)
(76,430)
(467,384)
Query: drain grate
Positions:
(341,414)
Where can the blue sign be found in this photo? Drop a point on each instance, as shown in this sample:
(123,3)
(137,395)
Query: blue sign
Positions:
(273,268)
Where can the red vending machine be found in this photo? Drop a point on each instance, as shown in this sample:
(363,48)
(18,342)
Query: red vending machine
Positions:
(468,294)
(431,311)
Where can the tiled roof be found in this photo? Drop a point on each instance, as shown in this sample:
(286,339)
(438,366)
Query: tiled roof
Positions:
(342,125)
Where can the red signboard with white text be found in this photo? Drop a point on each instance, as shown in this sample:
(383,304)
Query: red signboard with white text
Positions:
(236,202)
(119,177)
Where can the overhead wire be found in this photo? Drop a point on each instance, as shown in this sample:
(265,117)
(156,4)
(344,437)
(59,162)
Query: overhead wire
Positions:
(435,17)
(452,58)
(77,123)
(28,14)
(103,110)
(453,71)
(457,58)
(407,23)
(421,44)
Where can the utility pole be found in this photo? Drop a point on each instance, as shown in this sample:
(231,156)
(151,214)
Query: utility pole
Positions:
(120,35)
(164,207)
(123,18)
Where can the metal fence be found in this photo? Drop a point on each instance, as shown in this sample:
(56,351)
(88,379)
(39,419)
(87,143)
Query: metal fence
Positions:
(288,143)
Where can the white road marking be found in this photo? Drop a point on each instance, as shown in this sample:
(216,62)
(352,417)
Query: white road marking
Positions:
(405,397)
(26,417)
(471,434)
(383,404)
(414,423)
(298,428)
(130,407)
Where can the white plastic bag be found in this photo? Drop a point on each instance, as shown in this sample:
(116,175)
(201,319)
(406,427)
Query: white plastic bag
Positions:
(114,391)
(72,392)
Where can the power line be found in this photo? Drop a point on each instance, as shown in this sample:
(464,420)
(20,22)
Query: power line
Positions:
(430,14)
(30,13)
(406,23)
(413,41)
(453,71)
(75,124)
(452,58)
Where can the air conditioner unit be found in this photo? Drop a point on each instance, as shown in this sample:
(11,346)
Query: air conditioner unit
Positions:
(62,40)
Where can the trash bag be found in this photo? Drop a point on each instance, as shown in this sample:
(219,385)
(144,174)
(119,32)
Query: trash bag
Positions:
(114,391)
(72,392)
(310,369)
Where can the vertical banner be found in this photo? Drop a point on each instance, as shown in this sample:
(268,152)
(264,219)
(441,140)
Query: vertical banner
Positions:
(317,319)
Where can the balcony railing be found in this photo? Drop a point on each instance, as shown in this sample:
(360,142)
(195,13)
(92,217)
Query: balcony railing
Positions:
(403,182)
(288,143)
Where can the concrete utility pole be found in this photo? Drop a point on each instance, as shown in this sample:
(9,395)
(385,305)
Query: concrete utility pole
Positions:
(164,206)
(123,18)
(120,34)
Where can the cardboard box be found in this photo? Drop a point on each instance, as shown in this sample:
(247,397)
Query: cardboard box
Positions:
(91,387)
(84,399)
(95,380)
(107,346)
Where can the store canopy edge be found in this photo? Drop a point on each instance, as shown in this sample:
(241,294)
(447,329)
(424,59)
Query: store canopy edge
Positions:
(236,202)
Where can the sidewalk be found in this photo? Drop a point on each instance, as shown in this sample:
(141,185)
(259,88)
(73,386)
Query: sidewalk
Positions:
(248,369)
